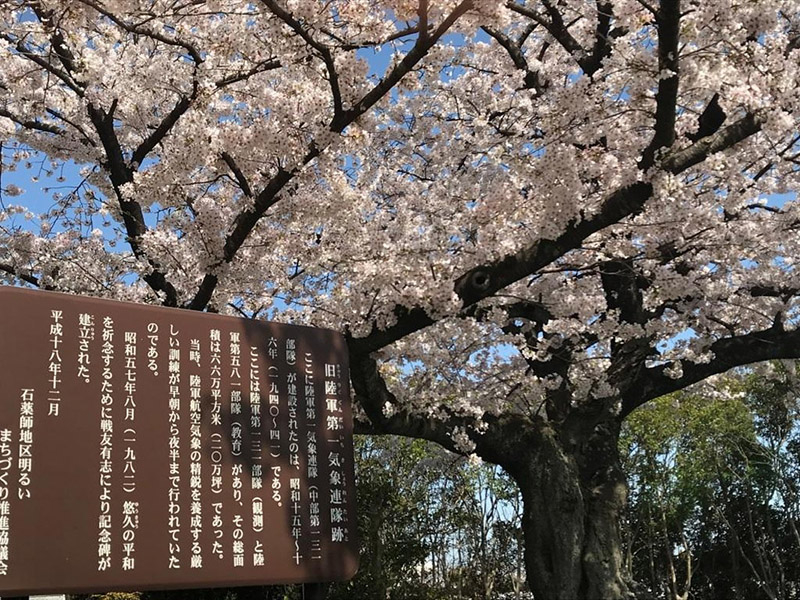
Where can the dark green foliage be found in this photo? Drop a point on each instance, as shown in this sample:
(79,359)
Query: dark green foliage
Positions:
(713,498)
(432,525)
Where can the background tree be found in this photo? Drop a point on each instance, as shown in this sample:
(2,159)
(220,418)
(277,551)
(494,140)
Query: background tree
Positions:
(539,216)
(397,516)
(432,525)
(706,515)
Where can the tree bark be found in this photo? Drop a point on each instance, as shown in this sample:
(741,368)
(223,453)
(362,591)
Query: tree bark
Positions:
(574,494)
(568,469)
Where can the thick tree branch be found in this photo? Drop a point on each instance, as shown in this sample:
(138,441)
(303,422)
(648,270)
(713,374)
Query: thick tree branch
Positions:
(709,122)
(31,124)
(163,128)
(243,226)
(45,64)
(387,416)
(26,277)
(244,185)
(485,280)
(132,216)
(422,13)
(410,60)
(103,122)
(783,292)
(553,21)
(245,222)
(64,53)
(623,288)
(385,411)
(668,19)
(263,66)
(526,319)
(184,102)
(514,49)
(535,313)
(120,172)
(735,351)
(555,26)
(649,7)
(681,160)
(602,37)
(323,51)
(189,48)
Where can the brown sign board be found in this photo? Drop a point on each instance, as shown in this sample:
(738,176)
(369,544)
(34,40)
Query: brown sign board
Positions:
(152,448)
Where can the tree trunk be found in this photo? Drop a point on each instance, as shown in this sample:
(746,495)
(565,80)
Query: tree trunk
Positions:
(573,496)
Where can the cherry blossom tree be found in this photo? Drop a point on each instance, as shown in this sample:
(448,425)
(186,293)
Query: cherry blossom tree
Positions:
(537,217)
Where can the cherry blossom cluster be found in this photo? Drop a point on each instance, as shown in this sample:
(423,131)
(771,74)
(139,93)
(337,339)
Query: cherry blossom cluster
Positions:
(346,163)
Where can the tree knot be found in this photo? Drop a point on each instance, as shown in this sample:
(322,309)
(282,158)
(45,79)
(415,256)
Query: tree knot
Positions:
(480,280)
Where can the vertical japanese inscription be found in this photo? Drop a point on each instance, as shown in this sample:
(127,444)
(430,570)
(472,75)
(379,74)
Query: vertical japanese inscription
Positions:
(216,450)
(55,365)
(293,449)
(25,462)
(217,458)
(256,479)
(256,458)
(335,432)
(309,395)
(174,418)
(106,445)
(196,453)
(274,403)
(237,475)
(6,458)
(130,505)
(85,339)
